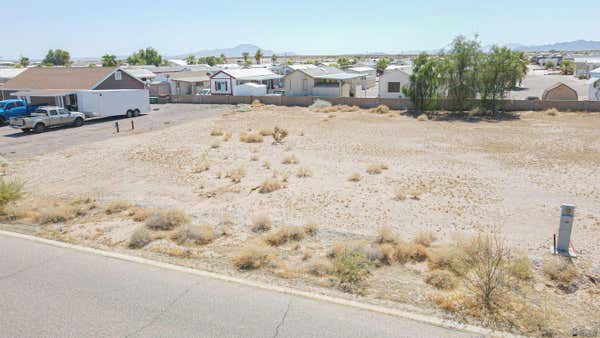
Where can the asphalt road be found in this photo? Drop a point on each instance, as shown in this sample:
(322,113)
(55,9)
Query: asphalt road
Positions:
(15,144)
(48,291)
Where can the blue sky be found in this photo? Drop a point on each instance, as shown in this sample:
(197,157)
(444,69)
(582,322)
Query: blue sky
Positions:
(306,26)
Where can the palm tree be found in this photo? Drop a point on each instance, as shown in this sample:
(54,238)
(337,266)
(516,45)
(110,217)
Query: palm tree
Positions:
(273,58)
(258,56)
(246,55)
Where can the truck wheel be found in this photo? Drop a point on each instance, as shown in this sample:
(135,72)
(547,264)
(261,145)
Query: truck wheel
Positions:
(78,122)
(39,128)
(129,113)
(136,112)
(26,130)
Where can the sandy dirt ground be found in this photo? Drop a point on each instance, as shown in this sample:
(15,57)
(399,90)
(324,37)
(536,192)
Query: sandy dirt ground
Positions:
(469,175)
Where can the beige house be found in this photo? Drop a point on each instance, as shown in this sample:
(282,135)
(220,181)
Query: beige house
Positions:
(188,83)
(560,92)
(321,81)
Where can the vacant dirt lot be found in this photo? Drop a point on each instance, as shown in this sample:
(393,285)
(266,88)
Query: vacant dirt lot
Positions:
(453,178)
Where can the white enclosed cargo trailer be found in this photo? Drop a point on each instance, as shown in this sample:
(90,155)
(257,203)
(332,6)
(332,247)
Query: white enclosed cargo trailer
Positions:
(104,103)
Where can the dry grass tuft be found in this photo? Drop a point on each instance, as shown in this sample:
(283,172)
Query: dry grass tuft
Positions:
(261,223)
(216,144)
(116,207)
(399,194)
(236,175)
(304,172)
(422,118)
(284,235)
(252,256)
(387,235)
(167,220)
(198,234)
(319,267)
(551,112)
(217,132)
(355,177)
(311,228)
(267,165)
(381,109)
(256,103)
(442,279)
(226,137)
(290,160)
(270,185)
(139,239)
(202,166)
(520,268)
(424,238)
(266,132)
(251,138)
(449,257)
(376,169)
(560,269)
(254,158)
(59,214)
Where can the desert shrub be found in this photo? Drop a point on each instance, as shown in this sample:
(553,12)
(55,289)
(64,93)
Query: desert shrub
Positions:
(488,279)
(381,109)
(140,238)
(10,192)
(252,256)
(59,214)
(448,257)
(416,195)
(354,177)
(116,207)
(399,194)
(304,172)
(560,269)
(256,103)
(351,269)
(243,108)
(215,144)
(226,137)
(202,166)
(423,118)
(424,238)
(319,104)
(441,279)
(269,185)
(347,247)
(290,160)
(141,214)
(261,222)
(375,169)
(198,234)
(254,158)
(266,165)
(311,228)
(279,134)
(236,175)
(453,302)
(251,138)
(216,132)
(520,268)
(319,267)
(387,235)
(345,108)
(284,235)
(166,220)
(266,132)
(552,112)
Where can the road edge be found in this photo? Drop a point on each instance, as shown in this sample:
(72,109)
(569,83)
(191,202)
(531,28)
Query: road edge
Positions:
(280,289)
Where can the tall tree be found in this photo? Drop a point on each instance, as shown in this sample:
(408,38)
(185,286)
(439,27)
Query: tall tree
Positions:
(273,58)
(381,65)
(500,71)
(461,71)
(345,62)
(24,61)
(425,82)
(148,56)
(190,60)
(57,57)
(246,57)
(258,56)
(109,60)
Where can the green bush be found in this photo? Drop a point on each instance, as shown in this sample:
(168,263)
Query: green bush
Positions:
(9,192)
(352,269)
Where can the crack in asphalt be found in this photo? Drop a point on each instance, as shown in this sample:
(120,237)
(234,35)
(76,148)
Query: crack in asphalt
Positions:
(33,266)
(280,324)
(163,310)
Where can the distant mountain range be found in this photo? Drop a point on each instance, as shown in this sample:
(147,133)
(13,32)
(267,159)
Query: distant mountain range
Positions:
(578,45)
(236,51)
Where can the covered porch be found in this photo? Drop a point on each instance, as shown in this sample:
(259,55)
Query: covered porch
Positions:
(51,97)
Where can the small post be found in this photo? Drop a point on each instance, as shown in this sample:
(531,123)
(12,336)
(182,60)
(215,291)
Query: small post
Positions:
(563,246)
(117,127)
(132,125)
(554,246)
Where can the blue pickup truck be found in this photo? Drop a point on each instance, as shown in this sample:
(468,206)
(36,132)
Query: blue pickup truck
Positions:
(15,108)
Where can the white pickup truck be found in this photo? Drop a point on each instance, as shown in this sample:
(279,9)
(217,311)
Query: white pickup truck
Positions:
(46,117)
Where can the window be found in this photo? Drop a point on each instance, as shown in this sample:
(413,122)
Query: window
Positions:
(305,84)
(53,112)
(118,76)
(221,86)
(393,87)
(19,104)
(10,106)
(63,111)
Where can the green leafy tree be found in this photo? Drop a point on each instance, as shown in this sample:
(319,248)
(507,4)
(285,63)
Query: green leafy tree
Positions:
(549,65)
(461,71)
(381,65)
(190,60)
(148,56)
(345,62)
(24,61)
(57,57)
(567,67)
(426,82)
(211,60)
(499,72)
(311,62)
(109,60)
(258,56)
